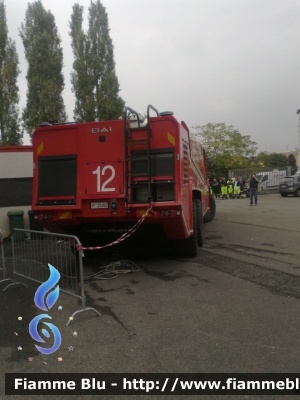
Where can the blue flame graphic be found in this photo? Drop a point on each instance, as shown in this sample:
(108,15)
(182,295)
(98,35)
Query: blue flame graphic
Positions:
(35,335)
(45,287)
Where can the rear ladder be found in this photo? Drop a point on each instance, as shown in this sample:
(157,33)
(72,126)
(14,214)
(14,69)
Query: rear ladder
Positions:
(129,144)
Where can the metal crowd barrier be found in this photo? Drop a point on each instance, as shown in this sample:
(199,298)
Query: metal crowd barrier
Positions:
(2,261)
(32,252)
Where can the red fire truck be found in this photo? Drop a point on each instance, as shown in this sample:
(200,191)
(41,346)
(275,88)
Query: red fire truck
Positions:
(97,180)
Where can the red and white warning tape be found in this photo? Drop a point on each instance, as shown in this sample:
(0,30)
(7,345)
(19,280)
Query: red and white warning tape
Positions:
(121,238)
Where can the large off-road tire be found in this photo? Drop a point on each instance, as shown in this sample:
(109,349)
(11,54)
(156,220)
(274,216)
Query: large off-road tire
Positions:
(187,247)
(208,217)
(199,223)
(297,193)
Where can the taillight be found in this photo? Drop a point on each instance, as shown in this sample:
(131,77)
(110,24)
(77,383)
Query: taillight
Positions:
(40,217)
(172,213)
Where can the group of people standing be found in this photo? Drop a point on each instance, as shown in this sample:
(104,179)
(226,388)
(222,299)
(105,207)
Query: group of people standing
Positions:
(225,189)
(232,188)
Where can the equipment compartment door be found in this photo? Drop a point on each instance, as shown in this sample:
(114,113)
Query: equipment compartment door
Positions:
(103,178)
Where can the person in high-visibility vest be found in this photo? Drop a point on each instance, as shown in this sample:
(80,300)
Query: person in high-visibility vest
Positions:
(223,184)
(230,187)
(237,188)
(210,183)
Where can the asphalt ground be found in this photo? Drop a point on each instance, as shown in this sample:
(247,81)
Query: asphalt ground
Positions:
(233,308)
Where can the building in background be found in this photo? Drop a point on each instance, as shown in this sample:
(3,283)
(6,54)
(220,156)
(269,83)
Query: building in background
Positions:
(16,171)
(298,159)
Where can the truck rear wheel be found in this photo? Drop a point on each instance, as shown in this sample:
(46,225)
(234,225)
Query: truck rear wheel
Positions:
(199,226)
(208,217)
(187,247)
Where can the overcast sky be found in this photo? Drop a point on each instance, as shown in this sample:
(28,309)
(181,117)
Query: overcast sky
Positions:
(232,61)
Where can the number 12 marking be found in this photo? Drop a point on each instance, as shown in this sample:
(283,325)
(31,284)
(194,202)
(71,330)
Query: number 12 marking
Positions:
(98,173)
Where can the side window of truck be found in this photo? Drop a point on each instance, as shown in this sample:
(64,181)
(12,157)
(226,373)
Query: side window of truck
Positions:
(265,178)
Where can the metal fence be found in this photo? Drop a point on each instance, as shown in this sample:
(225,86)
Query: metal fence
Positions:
(268,178)
(32,252)
(2,261)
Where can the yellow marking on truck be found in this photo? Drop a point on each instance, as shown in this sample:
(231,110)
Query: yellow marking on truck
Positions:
(40,148)
(66,215)
(143,212)
(171,139)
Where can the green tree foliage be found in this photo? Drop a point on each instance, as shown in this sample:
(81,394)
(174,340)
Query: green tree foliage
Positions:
(45,80)
(265,159)
(278,160)
(94,80)
(292,162)
(9,92)
(226,148)
(262,159)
